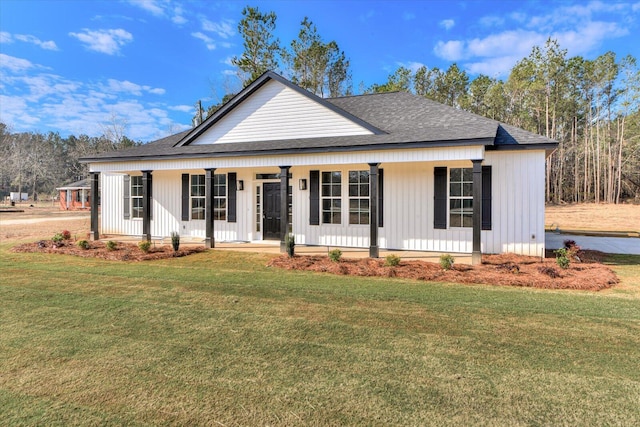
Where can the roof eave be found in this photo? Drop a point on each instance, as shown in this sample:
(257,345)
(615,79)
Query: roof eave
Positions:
(306,150)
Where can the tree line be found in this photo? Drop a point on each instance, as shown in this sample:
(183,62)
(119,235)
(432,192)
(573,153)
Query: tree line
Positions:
(591,107)
(37,163)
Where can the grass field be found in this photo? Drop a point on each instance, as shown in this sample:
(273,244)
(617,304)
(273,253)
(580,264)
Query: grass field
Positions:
(219,339)
(593,217)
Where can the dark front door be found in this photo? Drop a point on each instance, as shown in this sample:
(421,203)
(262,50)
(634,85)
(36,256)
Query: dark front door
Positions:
(271,211)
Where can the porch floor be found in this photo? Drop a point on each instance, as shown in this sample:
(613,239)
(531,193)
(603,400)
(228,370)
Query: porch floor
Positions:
(273,247)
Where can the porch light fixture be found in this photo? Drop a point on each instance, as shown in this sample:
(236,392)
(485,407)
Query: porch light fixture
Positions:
(302,184)
(240,185)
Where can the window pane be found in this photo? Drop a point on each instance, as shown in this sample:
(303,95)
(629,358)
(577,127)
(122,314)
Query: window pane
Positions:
(467,189)
(467,221)
(467,205)
(454,221)
(336,218)
(353,177)
(336,190)
(354,205)
(364,190)
(364,218)
(467,174)
(455,189)
(456,175)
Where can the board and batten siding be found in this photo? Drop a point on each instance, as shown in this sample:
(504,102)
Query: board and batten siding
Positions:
(518,179)
(277,112)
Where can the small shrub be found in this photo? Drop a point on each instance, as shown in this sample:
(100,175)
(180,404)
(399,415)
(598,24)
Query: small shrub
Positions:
(563,258)
(290,244)
(446,261)
(57,238)
(144,246)
(175,241)
(392,260)
(66,235)
(111,245)
(335,255)
(568,243)
(83,244)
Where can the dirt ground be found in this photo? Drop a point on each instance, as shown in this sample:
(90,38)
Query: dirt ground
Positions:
(593,217)
(508,269)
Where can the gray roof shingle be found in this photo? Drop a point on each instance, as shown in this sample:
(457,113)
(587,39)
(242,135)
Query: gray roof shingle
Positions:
(406,120)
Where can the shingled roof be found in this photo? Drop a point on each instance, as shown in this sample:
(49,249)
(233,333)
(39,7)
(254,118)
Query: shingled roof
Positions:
(397,120)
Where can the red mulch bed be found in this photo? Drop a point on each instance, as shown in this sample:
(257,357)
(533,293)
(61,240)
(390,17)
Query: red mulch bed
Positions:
(585,273)
(506,270)
(122,252)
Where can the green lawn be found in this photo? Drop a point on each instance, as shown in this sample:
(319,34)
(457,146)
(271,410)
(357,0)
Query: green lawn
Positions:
(219,339)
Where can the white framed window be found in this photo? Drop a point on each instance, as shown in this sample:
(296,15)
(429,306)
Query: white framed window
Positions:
(136,196)
(359,197)
(197,196)
(461,197)
(220,197)
(331,197)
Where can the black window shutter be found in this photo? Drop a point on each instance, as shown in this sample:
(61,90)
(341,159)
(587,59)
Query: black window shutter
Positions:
(231,197)
(314,198)
(486,197)
(380,197)
(440,197)
(185,197)
(126,190)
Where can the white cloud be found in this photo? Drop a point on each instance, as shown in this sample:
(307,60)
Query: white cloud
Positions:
(491,21)
(162,9)
(579,28)
(32,97)
(413,66)
(589,36)
(447,24)
(223,29)
(517,42)
(48,45)
(104,41)
(453,50)
(206,39)
(183,108)
(493,67)
(14,64)
(635,7)
(5,37)
(155,7)
(125,86)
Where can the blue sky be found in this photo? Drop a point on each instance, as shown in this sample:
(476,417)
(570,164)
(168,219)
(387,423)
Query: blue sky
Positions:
(76,66)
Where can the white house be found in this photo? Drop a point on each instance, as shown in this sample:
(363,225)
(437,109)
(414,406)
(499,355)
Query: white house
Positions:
(391,170)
